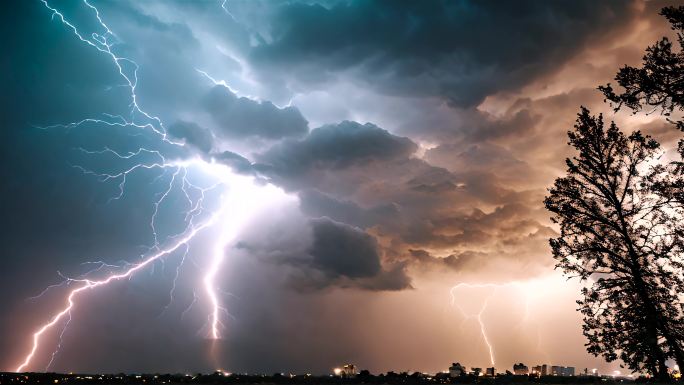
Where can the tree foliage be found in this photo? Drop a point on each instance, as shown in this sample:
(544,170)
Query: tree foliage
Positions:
(659,83)
(620,238)
(620,214)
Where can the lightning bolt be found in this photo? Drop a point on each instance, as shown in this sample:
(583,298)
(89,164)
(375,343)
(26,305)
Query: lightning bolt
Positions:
(103,43)
(239,197)
(175,280)
(88,284)
(477,316)
(223,6)
(493,290)
(225,85)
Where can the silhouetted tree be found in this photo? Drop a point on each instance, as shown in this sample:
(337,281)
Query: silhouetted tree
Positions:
(659,85)
(619,238)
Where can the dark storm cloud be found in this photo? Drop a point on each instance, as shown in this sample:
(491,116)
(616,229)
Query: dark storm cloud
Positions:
(321,253)
(459,51)
(342,250)
(193,135)
(240,117)
(365,176)
(335,146)
(317,204)
(235,161)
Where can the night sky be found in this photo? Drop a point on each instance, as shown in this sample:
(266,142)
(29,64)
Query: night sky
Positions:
(397,154)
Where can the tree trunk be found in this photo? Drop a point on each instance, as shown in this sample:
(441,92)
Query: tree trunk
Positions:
(675,346)
(651,312)
(652,316)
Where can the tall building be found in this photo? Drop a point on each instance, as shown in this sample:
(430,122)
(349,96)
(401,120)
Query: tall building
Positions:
(520,369)
(556,370)
(545,370)
(491,372)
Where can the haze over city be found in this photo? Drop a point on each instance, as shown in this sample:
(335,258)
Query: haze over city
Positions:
(291,186)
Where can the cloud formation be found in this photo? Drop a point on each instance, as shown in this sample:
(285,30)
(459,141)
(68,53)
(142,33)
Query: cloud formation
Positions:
(240,117)
(336,147)
(460,52)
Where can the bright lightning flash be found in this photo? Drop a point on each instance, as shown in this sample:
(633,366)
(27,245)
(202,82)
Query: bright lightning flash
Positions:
(238,204)
(240,196)
(248,199)
(492,290)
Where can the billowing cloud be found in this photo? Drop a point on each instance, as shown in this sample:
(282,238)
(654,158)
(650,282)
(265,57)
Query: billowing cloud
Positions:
(193,135)
(343,147)
(322,253)
(460,52)
(240,117)
(336,146)
(340,249)
(348,257)
(318,204)
(236,162)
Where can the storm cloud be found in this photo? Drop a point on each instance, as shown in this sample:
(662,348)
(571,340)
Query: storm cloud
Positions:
(242,117)
(336,146)
(458,51)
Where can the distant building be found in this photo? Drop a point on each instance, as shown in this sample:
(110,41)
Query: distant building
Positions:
(568,371)
(346,371)
(349,370)
(545,370)
(589,373)
(536,370)
(491,372)
(563,371)
(520,369)
(456,370)
(477,372)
